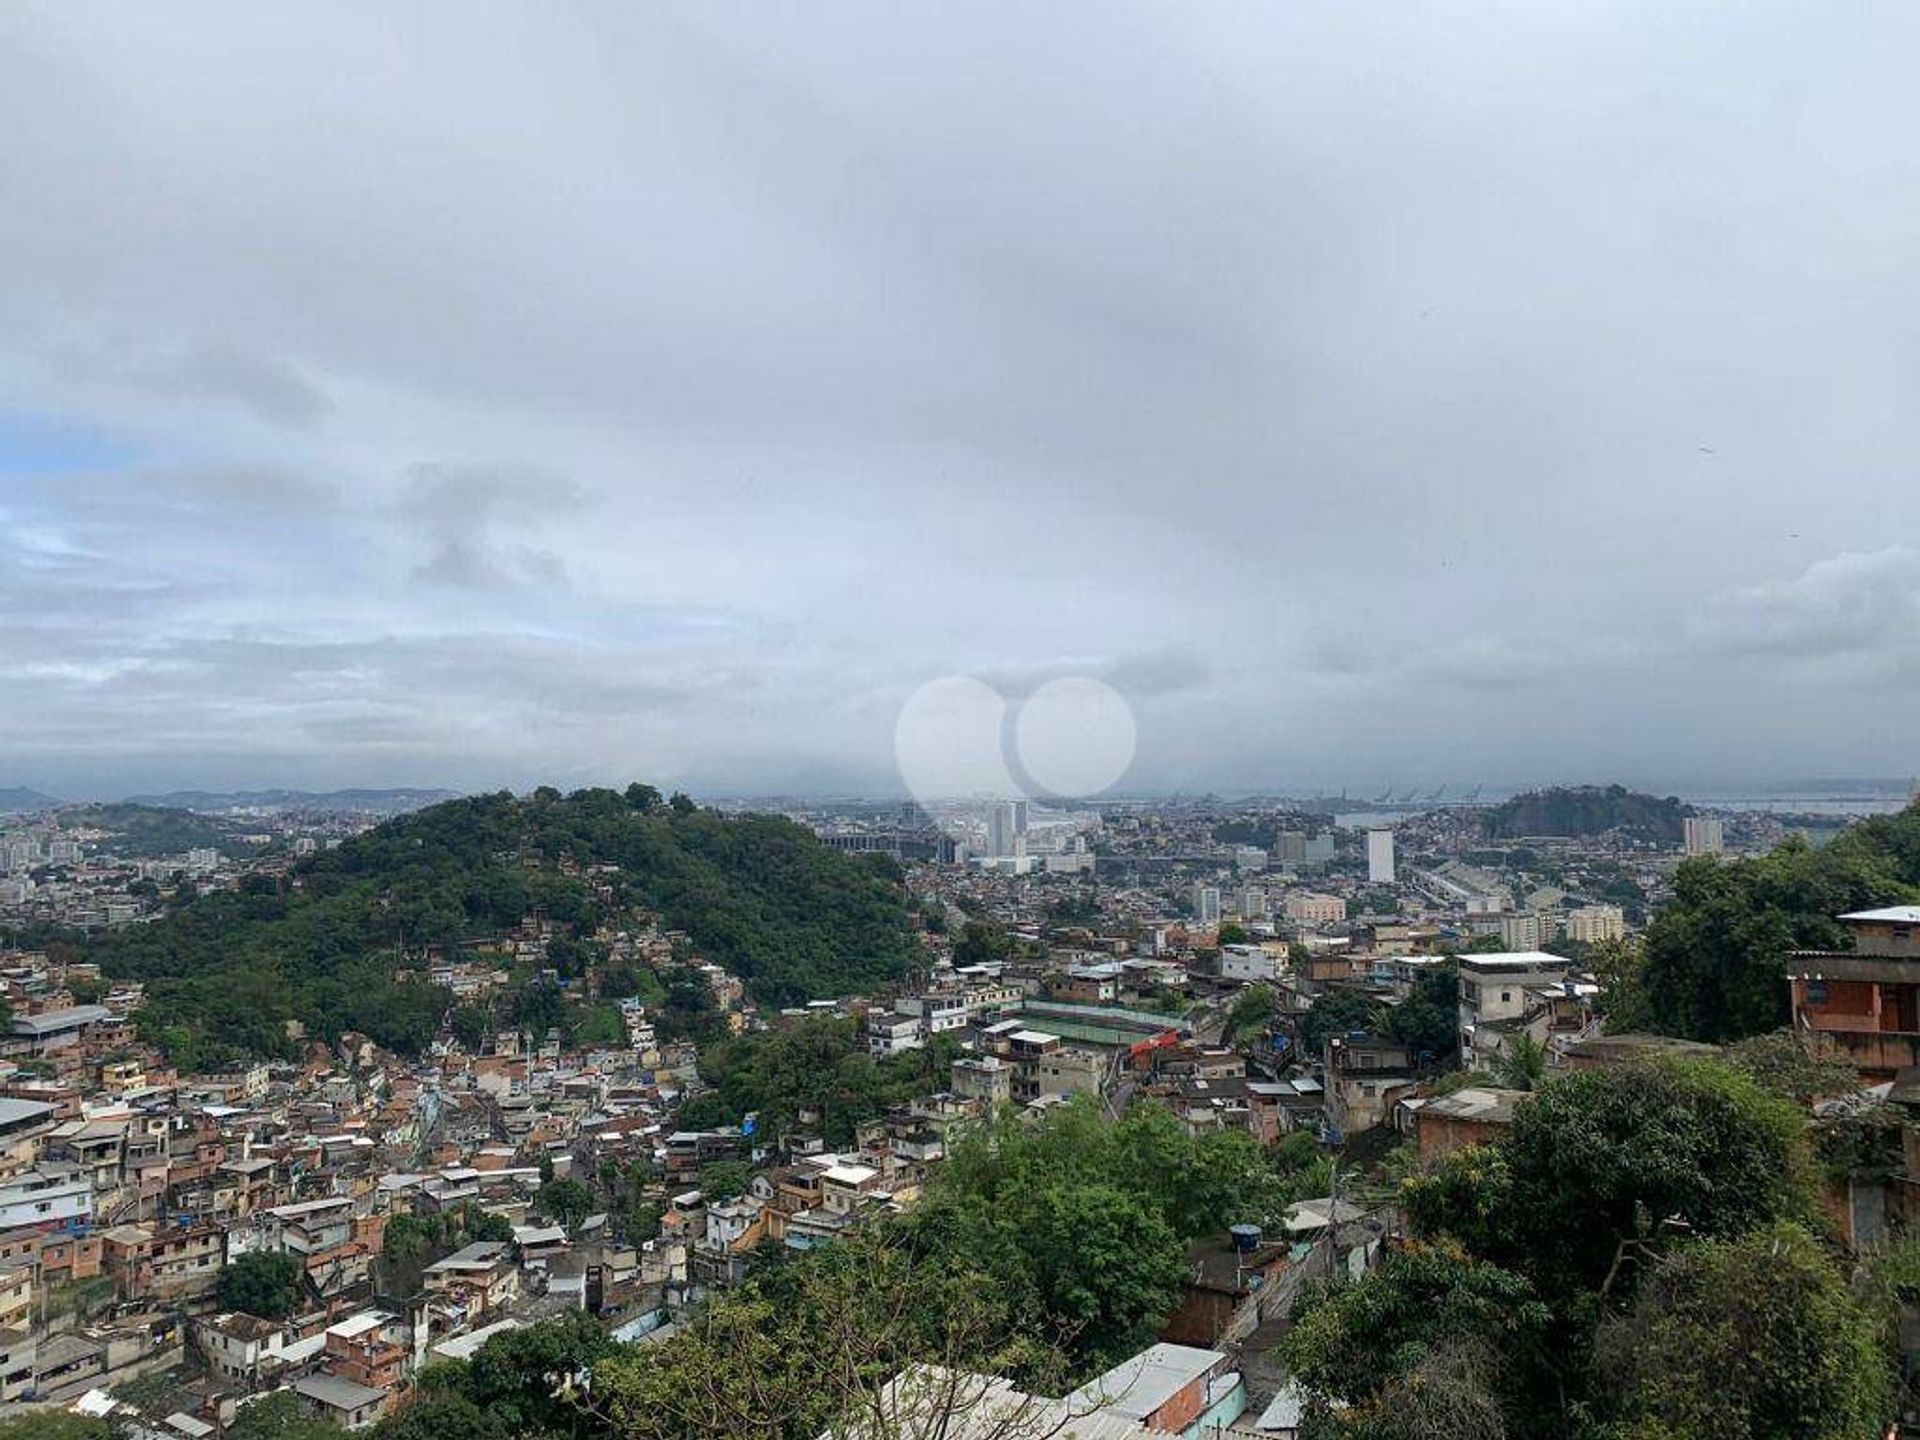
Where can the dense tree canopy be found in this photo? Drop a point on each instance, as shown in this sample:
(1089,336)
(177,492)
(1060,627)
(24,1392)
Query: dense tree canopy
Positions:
(822,1066)
(1714,958)
(758,894)
(262,1283)
(1600,1221)
(1085,1221)
(1601,1159)
(1754,1336)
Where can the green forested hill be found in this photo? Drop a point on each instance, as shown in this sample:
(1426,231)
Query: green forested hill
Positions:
(757,894)
(148,832)
(1586,810)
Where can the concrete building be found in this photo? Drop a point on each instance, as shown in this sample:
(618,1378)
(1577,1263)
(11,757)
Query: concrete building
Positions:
(1380,867)
(346,1404)
(1307,908)
(1006,829)
(1590,924)
(1494,997)
(1703,835)
(890,1033)
(1525,930)
(46,1196)
(1248,962)
(1206,904)
(983,1077)
(1864,1004)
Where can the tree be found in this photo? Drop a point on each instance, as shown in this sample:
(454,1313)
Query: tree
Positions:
(1232,932)
(1084,1222)
(873,1337)
(725,1179)
(1523,1065)
(565,1202)
(981,943)
(1428,1020)
(1601,1169)
(1335,1013)
(471,1025)
(1431,1311)
(55,1425)
(262,1283)
(1620,967)
(280,1417)
(532,1380)
(1715,955)
(1253,1010)
(1782,1063)
(1754,1336)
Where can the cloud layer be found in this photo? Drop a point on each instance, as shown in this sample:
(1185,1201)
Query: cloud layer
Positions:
(518,395)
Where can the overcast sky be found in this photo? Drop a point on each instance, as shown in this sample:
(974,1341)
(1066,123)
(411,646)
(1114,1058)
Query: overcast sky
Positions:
(1369,392)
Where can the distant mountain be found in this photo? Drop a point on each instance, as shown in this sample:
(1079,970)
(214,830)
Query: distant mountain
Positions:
(24,802)
(1586,810)
(373,802)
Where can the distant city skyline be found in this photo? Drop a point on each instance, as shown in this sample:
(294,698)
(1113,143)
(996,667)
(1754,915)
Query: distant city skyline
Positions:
(580,396)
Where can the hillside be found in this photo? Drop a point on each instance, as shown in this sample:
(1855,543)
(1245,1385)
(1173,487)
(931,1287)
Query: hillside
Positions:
(149,832)
(756,893)
(1586,810)
(20,801)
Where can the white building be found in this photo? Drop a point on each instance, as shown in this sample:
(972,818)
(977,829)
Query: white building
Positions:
(1704,835)
(1206,904)
(936,1013)
(48,1195)
(890,1033)
(1247,962)
(1380,869)
(1493,990)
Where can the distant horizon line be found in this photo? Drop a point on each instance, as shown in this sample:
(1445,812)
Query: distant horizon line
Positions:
(1360,797)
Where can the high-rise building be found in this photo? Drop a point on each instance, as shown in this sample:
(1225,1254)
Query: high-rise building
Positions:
(1005,832)
(1525,930)
(1290,849)
(1380,870)
(1704,835)
(1206,904)
(1589,923)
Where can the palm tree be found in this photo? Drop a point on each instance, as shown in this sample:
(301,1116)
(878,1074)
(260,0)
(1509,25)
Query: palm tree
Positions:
(1523,1065)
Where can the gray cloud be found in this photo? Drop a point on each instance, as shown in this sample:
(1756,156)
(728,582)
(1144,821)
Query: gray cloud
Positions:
(463,508)
(1850,604)
(1364,393)
(271,389)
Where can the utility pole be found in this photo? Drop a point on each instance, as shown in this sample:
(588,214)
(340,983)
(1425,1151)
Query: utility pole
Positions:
(1333,1219)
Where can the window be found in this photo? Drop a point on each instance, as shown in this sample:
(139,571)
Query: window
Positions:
(1816,992)
(1506,997)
